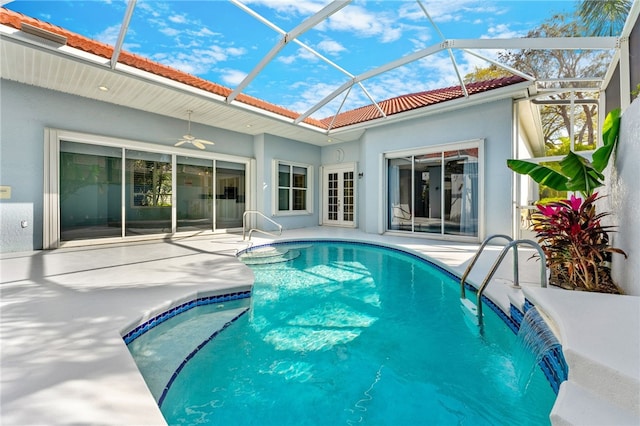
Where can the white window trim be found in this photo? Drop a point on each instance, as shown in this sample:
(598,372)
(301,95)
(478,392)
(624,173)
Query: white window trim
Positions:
(321,176)
(274,193)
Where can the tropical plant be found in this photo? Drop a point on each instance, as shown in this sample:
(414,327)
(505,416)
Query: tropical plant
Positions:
(576,173)
(604,17)
(576,244)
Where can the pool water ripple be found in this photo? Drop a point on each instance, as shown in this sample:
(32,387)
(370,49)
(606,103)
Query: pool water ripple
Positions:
(356,334)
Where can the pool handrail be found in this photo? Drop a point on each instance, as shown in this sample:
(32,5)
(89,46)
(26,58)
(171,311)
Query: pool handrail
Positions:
(477,255)
(256,212)
(498,261)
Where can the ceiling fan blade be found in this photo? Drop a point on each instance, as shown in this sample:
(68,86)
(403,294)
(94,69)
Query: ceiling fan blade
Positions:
(181,143)
(188,137)
(204,141)
(197,143)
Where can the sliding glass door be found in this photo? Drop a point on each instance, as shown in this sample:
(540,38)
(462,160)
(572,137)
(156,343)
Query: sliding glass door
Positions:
(118,192)
(435,191)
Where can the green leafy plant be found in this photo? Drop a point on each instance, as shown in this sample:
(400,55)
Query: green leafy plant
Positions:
(576,244)
(576,172)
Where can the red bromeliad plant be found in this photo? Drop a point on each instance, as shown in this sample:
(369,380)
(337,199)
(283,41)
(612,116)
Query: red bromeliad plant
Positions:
(575,244)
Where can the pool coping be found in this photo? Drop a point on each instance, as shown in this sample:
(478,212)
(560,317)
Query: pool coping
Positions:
(45,386)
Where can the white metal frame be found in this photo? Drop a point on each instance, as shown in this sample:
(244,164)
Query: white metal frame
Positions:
(471,46)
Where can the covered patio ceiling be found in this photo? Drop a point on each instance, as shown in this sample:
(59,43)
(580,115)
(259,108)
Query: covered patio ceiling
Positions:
(37,58)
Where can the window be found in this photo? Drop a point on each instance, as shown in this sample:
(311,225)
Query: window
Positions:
(294,187)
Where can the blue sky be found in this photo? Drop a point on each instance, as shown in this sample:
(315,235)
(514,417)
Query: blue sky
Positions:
(220,42)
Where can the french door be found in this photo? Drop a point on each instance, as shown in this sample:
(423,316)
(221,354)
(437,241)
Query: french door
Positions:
(339,195)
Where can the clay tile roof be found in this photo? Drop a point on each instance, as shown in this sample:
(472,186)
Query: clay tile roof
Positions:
(391,106)
(413,101)
(15,20)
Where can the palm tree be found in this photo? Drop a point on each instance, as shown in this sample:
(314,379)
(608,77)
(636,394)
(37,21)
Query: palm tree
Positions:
(604,17)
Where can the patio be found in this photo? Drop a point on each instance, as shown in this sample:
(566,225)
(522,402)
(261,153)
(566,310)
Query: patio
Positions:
(63,312)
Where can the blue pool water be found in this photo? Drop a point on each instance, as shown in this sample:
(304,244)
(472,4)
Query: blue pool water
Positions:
(351,334)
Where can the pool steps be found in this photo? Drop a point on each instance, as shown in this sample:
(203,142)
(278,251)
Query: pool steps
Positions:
(268,255)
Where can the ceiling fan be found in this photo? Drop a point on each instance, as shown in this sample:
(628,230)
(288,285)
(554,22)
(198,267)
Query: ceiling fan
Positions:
(189,138)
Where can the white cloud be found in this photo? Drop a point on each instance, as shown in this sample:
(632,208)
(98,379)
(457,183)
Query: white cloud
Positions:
(331,47)
(288,60)
(169,32)
(288,7)
(455,10)
(305,55)
(309,94)
(178,19)
(109,35)
(502,31)
(232,77)
(197,61)
(364,23)
(301,54)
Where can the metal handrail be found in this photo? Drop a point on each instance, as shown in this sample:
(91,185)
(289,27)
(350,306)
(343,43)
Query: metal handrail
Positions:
(475,259)
(496,264)
(256,212)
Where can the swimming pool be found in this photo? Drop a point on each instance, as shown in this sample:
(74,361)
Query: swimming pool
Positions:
(339,333)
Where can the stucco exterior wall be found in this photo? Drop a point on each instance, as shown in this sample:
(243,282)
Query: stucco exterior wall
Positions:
(491,122)
(25,111)
(624,200)
(275,148)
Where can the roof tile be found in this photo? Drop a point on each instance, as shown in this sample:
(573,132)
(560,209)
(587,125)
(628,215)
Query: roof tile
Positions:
(413,101)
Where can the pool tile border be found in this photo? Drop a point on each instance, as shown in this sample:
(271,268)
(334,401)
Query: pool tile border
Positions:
(184,362)
(158,319)
(553,364)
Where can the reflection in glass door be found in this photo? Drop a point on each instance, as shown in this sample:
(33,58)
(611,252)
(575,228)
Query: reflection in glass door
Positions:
(339,196)
(230,194)
(148,193)
(90,191)
(194,208)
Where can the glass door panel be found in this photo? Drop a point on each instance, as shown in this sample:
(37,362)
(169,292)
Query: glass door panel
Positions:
(90,191)
(348,198)
(194,198)
(400,195)
(428,193)
(230,194)
(339,196)
(148,193)
(332,196)
(461,192)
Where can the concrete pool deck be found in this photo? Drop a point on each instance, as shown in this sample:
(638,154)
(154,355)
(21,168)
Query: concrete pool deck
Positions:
(63,360)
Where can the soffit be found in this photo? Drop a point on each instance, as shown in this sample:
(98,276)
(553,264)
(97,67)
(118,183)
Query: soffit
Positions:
(54,69)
